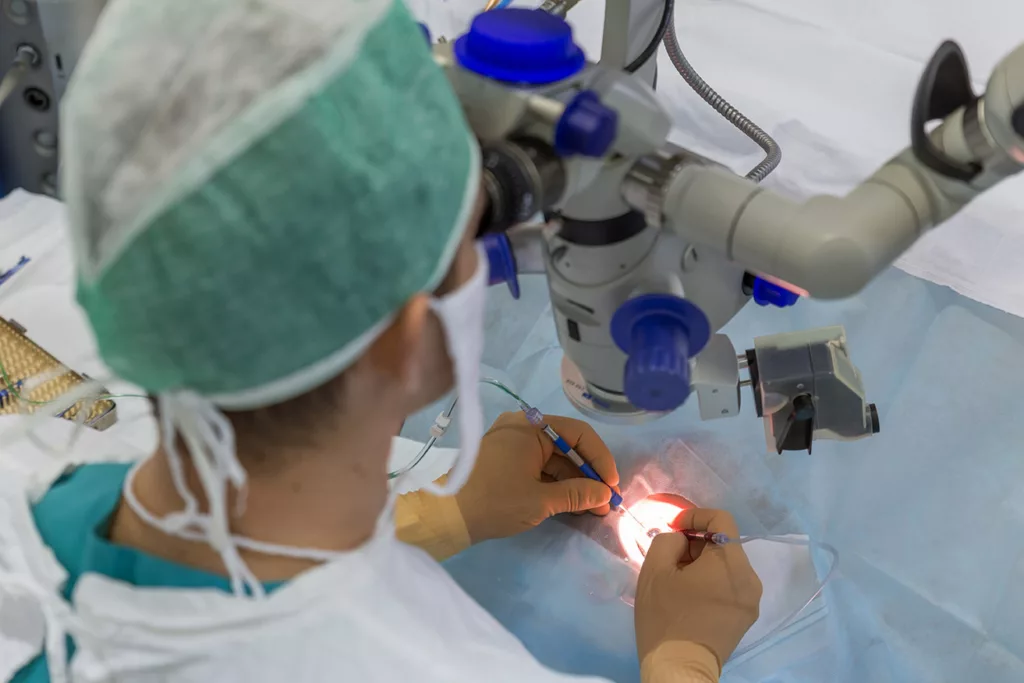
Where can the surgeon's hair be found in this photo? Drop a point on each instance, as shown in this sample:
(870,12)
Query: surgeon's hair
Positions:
(261,434)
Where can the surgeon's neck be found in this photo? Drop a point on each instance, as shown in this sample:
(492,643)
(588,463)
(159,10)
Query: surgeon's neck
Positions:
(323,500)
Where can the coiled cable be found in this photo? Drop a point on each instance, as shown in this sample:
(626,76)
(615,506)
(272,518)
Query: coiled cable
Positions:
(773,153)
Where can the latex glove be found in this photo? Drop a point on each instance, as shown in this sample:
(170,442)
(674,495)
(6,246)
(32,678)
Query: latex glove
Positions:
(691,593)
(520,479)
(433,523)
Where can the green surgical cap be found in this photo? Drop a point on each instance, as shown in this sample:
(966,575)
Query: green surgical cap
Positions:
(255,188)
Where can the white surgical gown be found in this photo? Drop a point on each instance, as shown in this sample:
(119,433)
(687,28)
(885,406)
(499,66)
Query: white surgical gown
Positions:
(384,612)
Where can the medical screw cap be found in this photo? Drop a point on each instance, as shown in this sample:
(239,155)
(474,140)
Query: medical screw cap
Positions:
(659,333)
(502,261)
(587,127)
(518,45)
(770,294)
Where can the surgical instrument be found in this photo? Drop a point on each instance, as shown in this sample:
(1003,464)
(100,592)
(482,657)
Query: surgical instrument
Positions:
(706,536)
(585,467)
(588,471)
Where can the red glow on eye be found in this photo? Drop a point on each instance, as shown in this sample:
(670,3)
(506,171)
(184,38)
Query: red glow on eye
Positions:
(652,514)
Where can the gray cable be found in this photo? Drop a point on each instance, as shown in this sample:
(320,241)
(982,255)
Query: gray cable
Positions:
(11,80)
(26,58)
(771,148)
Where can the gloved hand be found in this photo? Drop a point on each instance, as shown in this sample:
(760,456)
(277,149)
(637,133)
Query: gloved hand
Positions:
(688,592)
(520,479)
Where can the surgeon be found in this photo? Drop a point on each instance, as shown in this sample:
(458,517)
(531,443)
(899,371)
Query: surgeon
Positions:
(273,207)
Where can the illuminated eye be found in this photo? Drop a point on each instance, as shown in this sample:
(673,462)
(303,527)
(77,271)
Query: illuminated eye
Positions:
(653,515)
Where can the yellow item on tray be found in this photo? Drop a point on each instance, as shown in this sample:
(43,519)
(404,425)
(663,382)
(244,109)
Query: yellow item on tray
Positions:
(22,359)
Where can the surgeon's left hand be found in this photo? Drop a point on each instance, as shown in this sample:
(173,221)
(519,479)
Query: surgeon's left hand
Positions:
(520,479)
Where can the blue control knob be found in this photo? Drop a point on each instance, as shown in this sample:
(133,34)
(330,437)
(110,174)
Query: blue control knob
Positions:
(520,46)
(770,294)
(587,127)
(502,261)
(659,333)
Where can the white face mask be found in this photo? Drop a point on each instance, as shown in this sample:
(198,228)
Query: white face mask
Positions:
(462,317)
(211,445)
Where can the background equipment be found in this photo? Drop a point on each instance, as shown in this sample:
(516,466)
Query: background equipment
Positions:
(649,249)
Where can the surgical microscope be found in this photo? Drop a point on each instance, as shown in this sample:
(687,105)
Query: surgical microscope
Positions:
(648,248)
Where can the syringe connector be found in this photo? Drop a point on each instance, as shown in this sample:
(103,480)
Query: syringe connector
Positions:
(534,416)
(715,538)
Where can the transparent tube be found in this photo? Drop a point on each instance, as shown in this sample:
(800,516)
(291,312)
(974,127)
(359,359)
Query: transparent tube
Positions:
(523,405)
(821,586)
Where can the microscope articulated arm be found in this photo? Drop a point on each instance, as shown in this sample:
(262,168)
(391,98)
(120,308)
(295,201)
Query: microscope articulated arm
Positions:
(831,247)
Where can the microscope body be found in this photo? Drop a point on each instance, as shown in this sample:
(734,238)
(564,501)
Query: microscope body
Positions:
(651,251)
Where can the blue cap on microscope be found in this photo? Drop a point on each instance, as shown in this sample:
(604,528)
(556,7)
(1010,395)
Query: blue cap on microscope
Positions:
(502,261)
(770,294)
(519,45)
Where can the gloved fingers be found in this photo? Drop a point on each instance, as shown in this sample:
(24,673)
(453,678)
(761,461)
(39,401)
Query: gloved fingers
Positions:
(588,444)
(577,494)
(667,551)
(561,468)
(512,418)
(704,519)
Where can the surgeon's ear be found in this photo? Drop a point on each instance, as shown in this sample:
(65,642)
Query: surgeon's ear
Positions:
(397,356)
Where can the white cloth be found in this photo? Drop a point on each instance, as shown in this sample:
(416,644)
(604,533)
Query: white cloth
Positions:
(384,612)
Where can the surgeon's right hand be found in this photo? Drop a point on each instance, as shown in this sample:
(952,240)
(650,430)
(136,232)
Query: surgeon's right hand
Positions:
(691,592)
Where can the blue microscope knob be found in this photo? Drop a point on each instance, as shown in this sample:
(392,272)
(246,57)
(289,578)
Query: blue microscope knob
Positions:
(518,45)
(658,369)
(659,333)
(587,127)
(770,294)
(501,261)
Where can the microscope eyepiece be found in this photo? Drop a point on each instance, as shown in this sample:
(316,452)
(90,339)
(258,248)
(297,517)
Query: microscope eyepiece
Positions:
(522,177)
